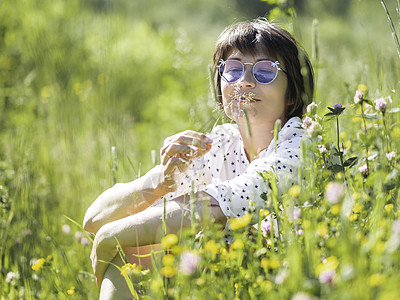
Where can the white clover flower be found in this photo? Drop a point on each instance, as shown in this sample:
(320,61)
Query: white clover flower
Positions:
(358,96)
(312,107)
(363,169)
(322,149)
(307,122)
(334,192)
(380,104)
(390,155)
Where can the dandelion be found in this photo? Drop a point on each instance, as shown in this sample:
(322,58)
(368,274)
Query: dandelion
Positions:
(357,208)
(38,264)
(294,191)
(353,217)
(169,240)
(312,107)
(380,104)
(128,269)
(334,192)
(363,170)
(240,222)
(358,96)
(376,279)
(238,244)
(212,247)
(66,229)
(168,271)
(390,155)
(168,260)
(189,263)
(71,291)
(335,209)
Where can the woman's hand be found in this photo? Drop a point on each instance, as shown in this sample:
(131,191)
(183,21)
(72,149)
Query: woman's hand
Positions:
(104,249)
(178,153)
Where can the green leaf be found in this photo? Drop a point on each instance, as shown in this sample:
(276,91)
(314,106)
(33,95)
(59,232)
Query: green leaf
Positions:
(350,162)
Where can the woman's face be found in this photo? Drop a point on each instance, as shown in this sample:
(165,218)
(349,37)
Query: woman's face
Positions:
(264,103)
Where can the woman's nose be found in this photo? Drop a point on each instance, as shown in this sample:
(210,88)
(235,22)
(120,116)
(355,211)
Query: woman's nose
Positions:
(247,78)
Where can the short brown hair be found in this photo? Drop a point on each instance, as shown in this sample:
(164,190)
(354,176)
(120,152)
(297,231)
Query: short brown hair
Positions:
(251,36)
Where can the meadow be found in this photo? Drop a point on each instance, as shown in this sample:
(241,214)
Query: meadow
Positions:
(90,90)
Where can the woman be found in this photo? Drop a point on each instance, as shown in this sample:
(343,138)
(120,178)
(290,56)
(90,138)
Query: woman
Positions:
(258,71)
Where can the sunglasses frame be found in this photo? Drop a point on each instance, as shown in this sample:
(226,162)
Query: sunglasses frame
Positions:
(275,64)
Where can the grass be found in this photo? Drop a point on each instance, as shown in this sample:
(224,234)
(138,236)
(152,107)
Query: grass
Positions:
(76,80)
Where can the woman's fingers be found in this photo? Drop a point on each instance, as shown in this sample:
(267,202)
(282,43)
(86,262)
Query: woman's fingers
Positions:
(197,143)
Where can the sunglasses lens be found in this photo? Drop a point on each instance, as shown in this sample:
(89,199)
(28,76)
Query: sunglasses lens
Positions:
(232,70)
(265,71)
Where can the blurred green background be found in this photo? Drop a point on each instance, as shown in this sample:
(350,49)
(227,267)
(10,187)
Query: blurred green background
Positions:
(78,77)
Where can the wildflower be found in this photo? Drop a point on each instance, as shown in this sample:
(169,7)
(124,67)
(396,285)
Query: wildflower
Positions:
(71,291)
(78,235)
(389,207)
(168,271)
(266,263)
(296,213)
(396,227)
(265,227)
(376,279)
(11,276)
(264,213)
(337,106)
(334,192)
(327,276)
(353,217)
(212,247)
(66,229)
(322,229)
(390,155)
(327,264)
(240,222)
(335,209)
(302,296)
(168,260)
(84,241)
(38,264)
(189,263)
(300,232)
(281,276)
(363,170)
(169,240)
(380,104)
(294,191)
(358,96)
(312,107)
(357,208)
(322,149)
(307,122)
(128,269)
(238,244)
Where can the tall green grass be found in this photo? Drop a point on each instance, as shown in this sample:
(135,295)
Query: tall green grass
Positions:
(78,79)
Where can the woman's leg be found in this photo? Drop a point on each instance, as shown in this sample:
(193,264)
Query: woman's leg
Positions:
(114,285)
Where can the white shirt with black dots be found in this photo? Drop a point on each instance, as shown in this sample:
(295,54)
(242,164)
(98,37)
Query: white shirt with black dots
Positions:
(226,174)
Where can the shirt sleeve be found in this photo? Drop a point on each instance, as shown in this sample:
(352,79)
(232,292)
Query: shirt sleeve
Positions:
(234,195)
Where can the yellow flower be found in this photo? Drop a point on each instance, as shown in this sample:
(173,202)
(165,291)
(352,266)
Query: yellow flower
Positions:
(128,269)
(335,209)
(264,213)
(169,240)
(357,208)
(168,260)
(362,87)
(240,222)
(71,291)
(376,279)
(380,246)
(356,196)
(294,191)
(322,229)
(38,264)
(269,264)
(212,247)
(168,271)
(238,244)
(389,207)
(328,264)
(353,217)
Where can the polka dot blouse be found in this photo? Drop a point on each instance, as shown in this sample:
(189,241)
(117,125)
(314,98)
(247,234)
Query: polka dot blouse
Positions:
(226,174)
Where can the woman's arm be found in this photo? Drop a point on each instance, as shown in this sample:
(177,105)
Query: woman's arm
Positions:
(144,228)
(127,199)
